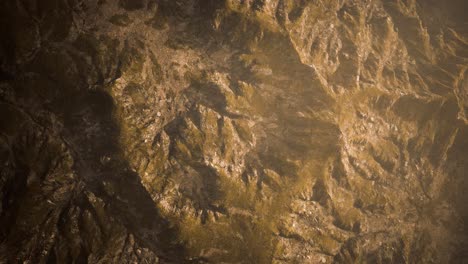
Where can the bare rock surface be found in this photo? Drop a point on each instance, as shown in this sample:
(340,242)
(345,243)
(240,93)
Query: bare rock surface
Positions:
(233,131)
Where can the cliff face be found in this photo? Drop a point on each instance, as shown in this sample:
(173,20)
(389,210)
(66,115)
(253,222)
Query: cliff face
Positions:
(253,131)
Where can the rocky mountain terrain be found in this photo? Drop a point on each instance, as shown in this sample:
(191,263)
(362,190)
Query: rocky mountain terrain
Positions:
(233,131)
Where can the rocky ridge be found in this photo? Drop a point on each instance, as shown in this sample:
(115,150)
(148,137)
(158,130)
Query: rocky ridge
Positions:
(233,131)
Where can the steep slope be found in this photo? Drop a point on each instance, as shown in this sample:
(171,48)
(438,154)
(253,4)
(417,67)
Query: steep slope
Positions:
(232,131)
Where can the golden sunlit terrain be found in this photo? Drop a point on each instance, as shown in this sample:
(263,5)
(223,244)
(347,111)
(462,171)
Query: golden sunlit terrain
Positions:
(233,131)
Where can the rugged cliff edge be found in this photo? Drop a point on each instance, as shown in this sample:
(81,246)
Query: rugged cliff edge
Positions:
(233,131)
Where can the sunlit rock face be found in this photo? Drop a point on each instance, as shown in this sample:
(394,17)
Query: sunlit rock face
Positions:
(233,131)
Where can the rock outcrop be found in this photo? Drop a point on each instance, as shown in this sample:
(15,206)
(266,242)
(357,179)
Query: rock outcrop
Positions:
(233,131)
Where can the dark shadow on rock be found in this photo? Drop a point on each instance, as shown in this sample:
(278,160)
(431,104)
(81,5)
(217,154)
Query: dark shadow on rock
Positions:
(93,136)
